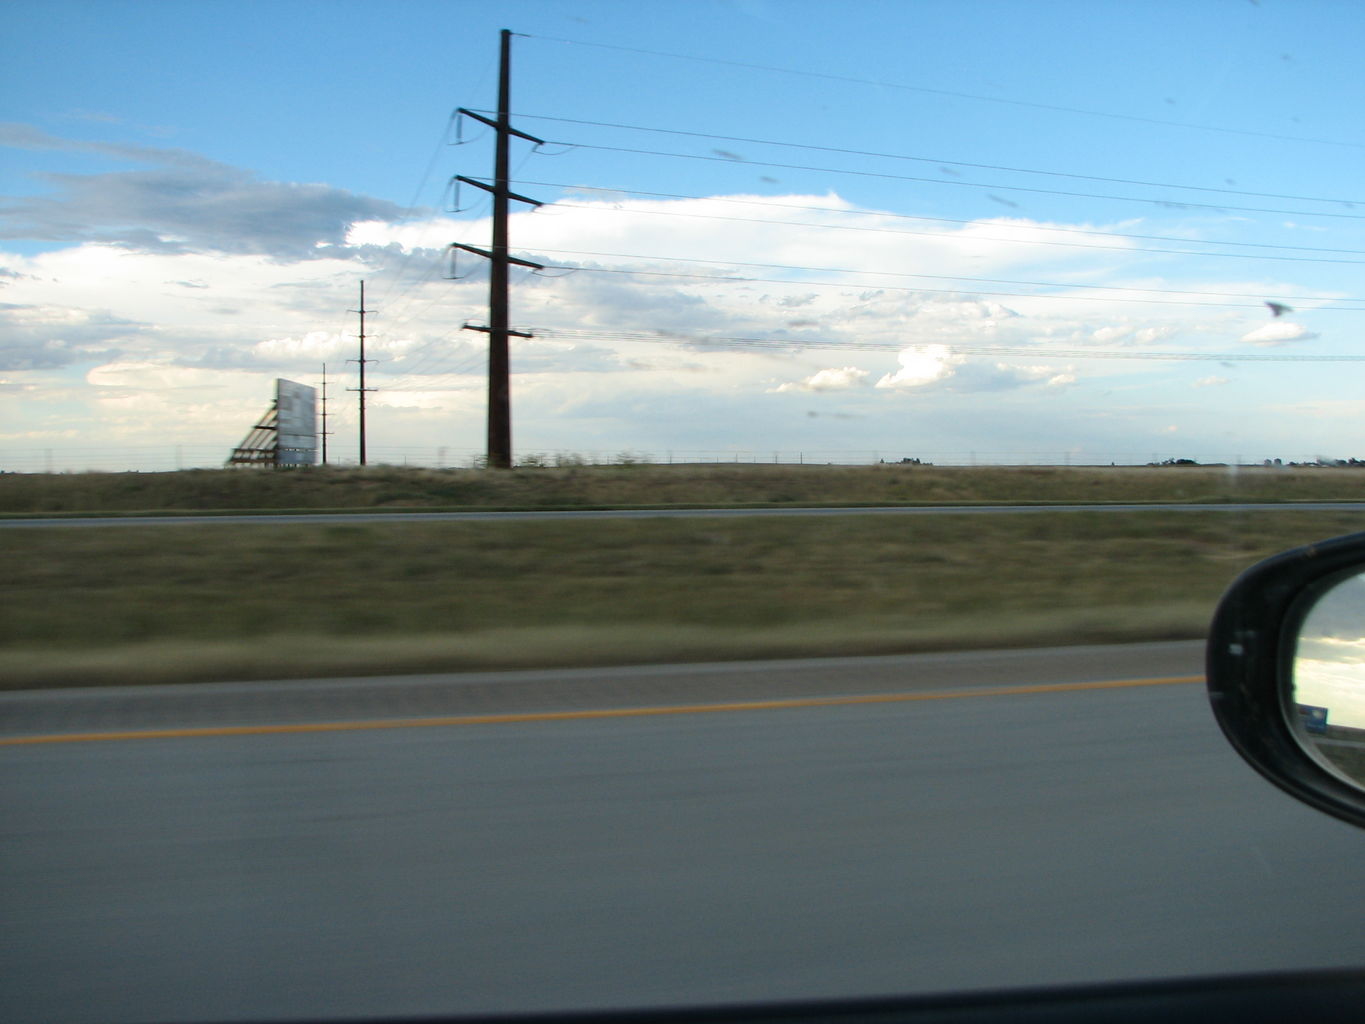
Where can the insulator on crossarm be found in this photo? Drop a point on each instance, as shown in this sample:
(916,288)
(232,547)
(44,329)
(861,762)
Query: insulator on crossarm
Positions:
(453,190)
(454,274)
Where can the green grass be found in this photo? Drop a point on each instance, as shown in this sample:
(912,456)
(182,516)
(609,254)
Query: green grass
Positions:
(135,604)
(643,485)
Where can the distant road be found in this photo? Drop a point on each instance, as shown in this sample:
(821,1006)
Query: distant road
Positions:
(668,513)
(990,819)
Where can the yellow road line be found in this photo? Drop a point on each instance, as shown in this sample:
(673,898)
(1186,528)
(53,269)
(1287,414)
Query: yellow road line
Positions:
(563,716)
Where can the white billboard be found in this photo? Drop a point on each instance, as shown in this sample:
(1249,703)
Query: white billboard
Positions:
(296,416)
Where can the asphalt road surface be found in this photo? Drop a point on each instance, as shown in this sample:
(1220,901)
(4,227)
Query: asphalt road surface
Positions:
(787,830)
(669,513)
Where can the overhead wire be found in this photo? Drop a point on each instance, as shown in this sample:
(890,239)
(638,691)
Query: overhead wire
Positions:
(932,91)
(423,359)
(844,211)
(940,235)
(932,160)
(726,342)
(934,291)
(417,375)
(397,305)
(423,379)
(397,319)
(411,207)
(1175,204)
(935,277)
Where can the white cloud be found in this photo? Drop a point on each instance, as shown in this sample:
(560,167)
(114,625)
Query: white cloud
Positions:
(1212,382)
(314,347)
(143,376)
(1108,335)
(134,339)
(1279,332)
(1148,335)
(921,365)
(834,379)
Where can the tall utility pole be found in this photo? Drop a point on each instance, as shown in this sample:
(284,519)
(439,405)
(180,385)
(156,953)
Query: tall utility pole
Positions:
(362,361)
(498,330)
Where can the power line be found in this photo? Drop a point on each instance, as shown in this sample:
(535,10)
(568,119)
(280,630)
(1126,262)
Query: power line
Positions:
(411,208)
(717,279)
(422,366)
(928,90)
(966,184)
(414,381)
(405,297)
(786,344)
(941,236)
(935,220)
(935,160)
(938,277)
(442,141)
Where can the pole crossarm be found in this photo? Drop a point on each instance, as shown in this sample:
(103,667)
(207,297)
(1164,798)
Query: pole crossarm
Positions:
(488,330)
(489,256)
(494,190)
(494,124)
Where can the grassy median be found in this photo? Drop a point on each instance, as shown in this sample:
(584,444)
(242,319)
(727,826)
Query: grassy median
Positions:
(178,603)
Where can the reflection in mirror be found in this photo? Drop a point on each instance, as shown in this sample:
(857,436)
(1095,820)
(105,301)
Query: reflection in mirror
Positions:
(1329,680)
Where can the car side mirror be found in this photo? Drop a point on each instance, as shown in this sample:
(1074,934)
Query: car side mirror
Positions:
(1286,672)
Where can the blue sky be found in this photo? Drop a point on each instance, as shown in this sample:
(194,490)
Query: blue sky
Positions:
(939,230)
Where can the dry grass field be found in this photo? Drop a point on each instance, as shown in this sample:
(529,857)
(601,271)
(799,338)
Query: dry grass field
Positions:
(179,603)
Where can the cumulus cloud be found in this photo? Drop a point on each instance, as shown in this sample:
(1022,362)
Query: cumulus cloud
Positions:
(310,349)
(146,376)
(833,379)
(40,337)
(1131,334)
(180,202)
(619,343)
(921,365)
(1279,332)
(1148,335)
(1112,333)
(975,376)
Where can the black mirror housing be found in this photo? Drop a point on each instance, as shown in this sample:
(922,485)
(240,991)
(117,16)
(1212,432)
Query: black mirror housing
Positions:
(1250,670)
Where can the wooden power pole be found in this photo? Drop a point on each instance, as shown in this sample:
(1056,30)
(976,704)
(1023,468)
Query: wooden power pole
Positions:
(498,329)
(362,361)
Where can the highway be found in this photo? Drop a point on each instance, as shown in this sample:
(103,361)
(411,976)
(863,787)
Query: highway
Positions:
(228,518)
(677,834)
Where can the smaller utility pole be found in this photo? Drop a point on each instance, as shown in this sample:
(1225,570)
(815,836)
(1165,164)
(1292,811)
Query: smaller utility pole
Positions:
(362,361)
(325,431)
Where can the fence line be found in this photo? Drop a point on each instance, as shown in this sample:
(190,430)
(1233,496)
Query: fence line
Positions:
(167,458)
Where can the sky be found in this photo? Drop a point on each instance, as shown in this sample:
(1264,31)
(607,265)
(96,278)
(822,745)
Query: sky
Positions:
(1329,663)
(964,231)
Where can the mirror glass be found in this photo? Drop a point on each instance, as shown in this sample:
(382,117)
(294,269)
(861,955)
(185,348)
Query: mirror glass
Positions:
(1328,698)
